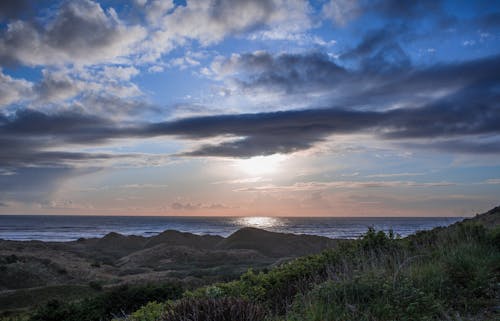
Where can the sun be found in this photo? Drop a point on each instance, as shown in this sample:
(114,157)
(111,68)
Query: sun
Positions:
(260,165)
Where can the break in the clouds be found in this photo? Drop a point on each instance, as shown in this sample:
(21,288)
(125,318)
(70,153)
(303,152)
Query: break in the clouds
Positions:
(174,90)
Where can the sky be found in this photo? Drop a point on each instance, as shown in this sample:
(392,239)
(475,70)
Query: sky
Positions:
(250,108)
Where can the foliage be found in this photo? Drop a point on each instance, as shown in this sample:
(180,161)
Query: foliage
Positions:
(119,301)
(454,275)
(444,274)
(224,309)
(380,277)
(152,311)
(366,298)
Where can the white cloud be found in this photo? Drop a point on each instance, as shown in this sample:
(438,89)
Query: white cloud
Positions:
(341,11)
(57,86)
(318,186)
(119,73)
(80,32)
(208,22)
(13,90)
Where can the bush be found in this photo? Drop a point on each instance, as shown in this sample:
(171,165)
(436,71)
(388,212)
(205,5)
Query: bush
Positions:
(152,311)
(470,270)
(225,309)
(367,298)
(119,301)
(95,285)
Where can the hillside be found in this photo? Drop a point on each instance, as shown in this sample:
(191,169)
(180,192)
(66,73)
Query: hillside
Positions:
(450,273)
(113,260)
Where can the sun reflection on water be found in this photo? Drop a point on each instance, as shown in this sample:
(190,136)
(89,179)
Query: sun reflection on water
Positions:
(259,221)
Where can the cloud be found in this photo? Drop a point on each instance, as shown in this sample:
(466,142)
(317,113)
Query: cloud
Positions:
(39,146)
(13,90)
(56,86)
(464,120)
(290,73)
(341,12)
(493,181)
(208,22)
(248,180)
(477,145)
(318,80)
(79,32)
(456,118)
(119,73)
(197,206)
(394,175)
(379,52)
(319,186)
(84,33)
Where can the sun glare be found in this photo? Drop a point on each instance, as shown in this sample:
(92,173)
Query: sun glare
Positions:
(259,221)
(260,165)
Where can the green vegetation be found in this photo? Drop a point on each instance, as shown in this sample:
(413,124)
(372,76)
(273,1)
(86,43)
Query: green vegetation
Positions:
(117,302)
(16,301)
(445,274)
(221,309)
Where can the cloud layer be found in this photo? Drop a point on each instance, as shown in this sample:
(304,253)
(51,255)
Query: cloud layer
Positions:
(86,85)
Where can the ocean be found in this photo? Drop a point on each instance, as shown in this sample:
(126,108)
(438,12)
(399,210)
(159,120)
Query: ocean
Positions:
(69,228)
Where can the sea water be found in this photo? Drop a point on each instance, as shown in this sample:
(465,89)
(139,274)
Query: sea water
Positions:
(69,228)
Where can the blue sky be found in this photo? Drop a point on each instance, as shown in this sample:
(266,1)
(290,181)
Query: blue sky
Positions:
(265,107)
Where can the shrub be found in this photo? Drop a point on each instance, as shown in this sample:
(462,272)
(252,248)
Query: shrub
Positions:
(95,285)
(225,309)
(367,298)
(152,311)
(119,301)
